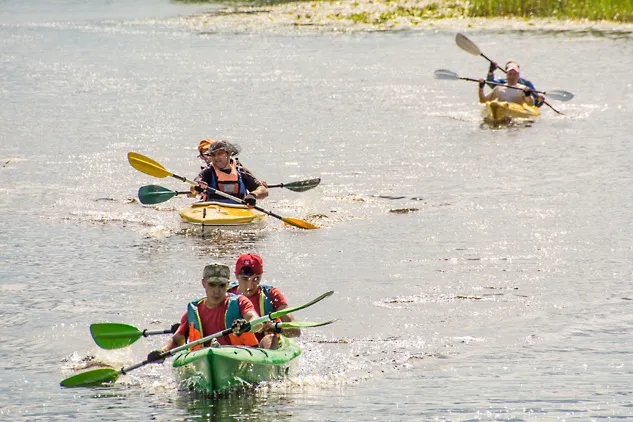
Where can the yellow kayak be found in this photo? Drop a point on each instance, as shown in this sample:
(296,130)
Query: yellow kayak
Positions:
(220,214)
(498,112)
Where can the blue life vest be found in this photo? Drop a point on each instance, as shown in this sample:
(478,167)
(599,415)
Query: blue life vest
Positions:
(265,303)
(195,325)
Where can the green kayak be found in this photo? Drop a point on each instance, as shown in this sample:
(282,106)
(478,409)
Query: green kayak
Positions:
(219,369)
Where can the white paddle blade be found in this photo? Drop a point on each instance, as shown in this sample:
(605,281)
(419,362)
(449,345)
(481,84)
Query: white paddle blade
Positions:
(467,45)
(445,74)
(560,95)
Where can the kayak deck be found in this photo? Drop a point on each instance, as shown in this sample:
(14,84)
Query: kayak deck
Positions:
(216,370)
(500,112)
(220,214)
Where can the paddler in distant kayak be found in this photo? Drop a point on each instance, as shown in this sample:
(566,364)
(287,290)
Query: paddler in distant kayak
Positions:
(513,78)
(227,175)
(249,269)
(215,312)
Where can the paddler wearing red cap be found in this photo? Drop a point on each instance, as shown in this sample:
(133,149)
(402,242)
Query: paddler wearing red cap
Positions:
(249,270)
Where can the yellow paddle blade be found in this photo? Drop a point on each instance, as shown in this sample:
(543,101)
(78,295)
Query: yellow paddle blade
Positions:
(299,223)
(147,165)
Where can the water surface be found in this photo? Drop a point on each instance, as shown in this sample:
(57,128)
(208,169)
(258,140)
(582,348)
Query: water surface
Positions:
(502,295)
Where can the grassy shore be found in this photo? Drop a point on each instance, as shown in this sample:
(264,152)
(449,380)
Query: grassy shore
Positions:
(593,10)
(387,15)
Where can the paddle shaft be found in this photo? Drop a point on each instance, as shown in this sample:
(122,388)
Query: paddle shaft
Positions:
(147,333)
(502,84)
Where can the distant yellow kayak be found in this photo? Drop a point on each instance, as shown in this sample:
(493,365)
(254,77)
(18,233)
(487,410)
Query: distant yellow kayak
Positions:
(220,214)
(499,112)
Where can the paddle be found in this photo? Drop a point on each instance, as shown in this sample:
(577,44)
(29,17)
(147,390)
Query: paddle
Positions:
(153,168)
(467,45)
(300,186)
(557,94)
(110,335)
(109,375)
(154,194)
(301,324)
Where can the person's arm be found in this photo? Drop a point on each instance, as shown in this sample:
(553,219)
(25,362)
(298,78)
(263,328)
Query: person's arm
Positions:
(289,332)
(247,310)
(490,77)
(528,96)
(483,97)
(245,170)
(250,316)
(536,98)
(254,186)
(279,302)
(178,339)
(527,90)
(175,341)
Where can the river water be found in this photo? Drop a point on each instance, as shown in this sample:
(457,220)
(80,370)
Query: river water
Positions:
(479,274)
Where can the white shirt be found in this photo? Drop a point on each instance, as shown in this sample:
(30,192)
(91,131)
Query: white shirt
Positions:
(510,95)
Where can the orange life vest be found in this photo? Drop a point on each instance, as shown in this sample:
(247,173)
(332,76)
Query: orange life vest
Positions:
(232,313)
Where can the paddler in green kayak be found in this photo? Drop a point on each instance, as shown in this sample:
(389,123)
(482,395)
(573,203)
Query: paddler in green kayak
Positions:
(504,93)
(226,174)
(214,313)
(249,270)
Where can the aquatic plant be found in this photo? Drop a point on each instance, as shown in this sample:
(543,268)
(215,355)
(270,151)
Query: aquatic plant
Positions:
(611,10)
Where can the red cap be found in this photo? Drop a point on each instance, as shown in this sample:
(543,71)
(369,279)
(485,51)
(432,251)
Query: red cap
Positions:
(249,264)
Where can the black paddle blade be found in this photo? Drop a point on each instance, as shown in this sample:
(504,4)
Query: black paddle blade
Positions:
(303,185)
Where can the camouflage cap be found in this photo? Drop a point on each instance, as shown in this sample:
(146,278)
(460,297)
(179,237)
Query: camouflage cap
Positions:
(216,273)
(220,145)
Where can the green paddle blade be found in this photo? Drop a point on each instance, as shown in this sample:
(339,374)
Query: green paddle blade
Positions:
(94,377)
(114,336)
(154,194)
(305,324)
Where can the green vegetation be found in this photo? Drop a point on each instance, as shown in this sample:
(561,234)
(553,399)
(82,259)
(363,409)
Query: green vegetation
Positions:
(612,10)
(431,11)
(390,11)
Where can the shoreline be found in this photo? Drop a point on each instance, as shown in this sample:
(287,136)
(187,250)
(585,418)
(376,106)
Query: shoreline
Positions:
(380,16)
